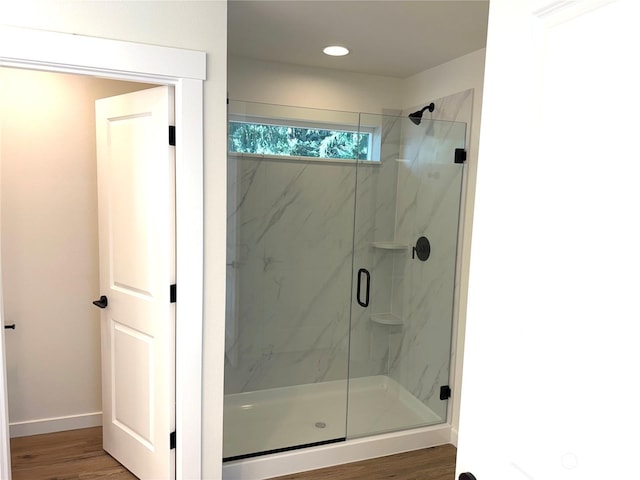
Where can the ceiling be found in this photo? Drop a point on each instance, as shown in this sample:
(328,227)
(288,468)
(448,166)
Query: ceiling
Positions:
(393,38)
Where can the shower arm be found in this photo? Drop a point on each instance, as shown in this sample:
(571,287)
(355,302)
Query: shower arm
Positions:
(431,107)
(416,117)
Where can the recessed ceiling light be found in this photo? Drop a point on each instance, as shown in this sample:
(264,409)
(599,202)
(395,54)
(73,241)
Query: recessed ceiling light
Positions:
(336,51)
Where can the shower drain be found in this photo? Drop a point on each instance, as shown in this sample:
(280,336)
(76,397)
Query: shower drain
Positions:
(320,424)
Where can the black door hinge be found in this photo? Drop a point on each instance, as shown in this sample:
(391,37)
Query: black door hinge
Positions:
(445,392)
(460,155)
(172,440)
(172,135)
(172,293)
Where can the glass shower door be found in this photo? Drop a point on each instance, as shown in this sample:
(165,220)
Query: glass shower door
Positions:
(289,252)
(405,244)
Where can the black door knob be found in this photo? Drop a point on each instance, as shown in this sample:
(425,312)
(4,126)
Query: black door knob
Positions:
(102,302)
(467,476)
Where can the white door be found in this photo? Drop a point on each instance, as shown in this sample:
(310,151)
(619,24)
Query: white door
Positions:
(550,382)
(137,267)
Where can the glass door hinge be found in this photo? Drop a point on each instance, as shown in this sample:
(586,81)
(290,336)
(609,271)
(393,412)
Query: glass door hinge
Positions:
(445,392)
(460,155)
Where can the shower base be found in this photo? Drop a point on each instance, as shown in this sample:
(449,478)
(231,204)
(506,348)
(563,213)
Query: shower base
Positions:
(276,419)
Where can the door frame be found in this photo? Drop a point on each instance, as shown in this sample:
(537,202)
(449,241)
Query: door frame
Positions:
(185,70)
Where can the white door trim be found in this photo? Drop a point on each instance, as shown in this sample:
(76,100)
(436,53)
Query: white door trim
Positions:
(185,70)
(5,457)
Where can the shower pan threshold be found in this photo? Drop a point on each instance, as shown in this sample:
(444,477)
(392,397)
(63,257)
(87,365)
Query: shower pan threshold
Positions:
(276,419)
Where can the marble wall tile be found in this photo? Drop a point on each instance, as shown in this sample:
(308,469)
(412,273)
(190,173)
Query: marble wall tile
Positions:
(293,232)
(376,192)
(428,199)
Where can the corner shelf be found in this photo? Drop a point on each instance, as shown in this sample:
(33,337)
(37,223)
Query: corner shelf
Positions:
(386,319)
(390,245)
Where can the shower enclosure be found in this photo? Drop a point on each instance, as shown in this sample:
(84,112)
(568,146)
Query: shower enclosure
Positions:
(341,260)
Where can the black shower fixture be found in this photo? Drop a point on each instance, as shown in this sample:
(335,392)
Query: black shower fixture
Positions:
(416,117)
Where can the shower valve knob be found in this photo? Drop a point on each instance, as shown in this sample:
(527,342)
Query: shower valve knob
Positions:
(467,476)
(422,249)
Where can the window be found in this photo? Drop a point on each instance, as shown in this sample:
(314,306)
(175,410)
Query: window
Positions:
(300,140)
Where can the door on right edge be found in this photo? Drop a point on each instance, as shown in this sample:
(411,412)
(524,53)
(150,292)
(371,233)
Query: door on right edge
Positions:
(550,377)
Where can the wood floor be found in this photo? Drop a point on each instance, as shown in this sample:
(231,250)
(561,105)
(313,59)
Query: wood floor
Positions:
(437,463)
(72,455)
(78,454)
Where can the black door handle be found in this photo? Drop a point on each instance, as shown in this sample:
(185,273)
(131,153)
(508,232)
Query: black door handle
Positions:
(102,302)
(366,298)
(12,326)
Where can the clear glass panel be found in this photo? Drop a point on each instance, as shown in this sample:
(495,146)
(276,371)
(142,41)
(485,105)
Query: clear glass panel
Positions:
(289,263)
(403,306)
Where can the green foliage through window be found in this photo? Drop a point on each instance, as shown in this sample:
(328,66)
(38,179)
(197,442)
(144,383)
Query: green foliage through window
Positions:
(268,139)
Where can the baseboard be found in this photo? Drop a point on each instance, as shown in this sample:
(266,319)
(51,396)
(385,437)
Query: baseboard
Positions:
(355,450)
(58,424)
(454,437)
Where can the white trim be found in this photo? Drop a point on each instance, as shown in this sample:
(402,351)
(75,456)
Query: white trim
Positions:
(57,424)
(89,54)
(309,124)
(454,437)
(293,158)
(563,10)
(185,69)
(5,457)
(344,452)
(189,277)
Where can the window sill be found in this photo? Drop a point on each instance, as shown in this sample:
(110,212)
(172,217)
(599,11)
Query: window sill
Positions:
(291,158)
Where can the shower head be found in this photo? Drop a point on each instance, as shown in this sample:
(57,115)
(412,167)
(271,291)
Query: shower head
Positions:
(416,117)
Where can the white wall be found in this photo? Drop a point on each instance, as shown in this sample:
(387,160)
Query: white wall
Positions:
(190,25)
(279,83)
(458,75)
(49,247)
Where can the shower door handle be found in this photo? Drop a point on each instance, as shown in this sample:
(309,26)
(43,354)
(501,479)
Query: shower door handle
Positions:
(358,297)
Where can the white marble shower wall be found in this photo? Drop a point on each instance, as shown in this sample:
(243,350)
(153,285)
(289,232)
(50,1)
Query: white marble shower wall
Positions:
(294,230)
(428,200)
(375,221)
